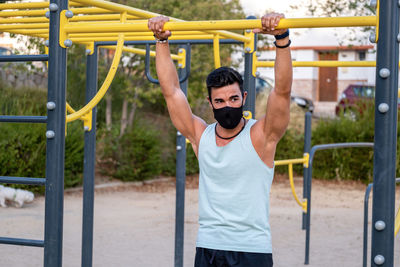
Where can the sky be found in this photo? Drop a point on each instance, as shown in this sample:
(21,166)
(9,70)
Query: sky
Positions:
(258,7)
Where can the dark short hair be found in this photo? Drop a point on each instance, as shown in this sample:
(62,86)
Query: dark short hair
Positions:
(223,76)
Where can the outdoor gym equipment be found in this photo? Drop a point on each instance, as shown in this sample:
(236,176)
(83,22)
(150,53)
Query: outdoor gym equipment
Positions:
(51,21)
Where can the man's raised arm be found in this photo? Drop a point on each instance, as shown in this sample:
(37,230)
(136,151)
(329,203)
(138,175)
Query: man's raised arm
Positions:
(178,107)
(278,107)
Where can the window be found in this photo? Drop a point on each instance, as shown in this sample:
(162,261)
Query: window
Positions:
(362,55)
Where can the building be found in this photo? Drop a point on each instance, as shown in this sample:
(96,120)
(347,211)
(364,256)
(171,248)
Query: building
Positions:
(323,85)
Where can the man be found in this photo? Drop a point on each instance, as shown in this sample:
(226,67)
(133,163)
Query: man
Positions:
(236,156)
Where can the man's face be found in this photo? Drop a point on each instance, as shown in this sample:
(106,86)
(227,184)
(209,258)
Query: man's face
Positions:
(227,96)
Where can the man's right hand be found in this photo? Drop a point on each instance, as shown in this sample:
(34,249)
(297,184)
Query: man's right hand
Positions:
(156,25)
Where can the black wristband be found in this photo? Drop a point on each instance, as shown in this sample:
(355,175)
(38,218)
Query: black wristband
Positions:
(283,46)
(282,36)
(162,41)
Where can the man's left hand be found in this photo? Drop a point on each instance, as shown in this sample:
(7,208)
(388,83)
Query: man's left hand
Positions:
(269,22)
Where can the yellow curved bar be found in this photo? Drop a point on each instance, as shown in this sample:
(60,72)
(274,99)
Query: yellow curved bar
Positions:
(217,58)
(291,161)
(303,205)
(69,108)
(106,84)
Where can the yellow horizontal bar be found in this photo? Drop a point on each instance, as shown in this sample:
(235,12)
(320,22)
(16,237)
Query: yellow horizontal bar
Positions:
(149,34)
(322,63)
(103,17)
(139,51)
(25,20)
(29,32)
(146,14)
(22,13)
(290,161)
(24,5)
(226,25)
(5,27)
(142,38)
(90,10)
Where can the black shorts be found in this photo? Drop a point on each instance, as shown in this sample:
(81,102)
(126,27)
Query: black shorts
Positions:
(206,257)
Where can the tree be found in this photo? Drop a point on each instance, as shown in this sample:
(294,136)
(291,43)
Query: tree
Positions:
(336,8)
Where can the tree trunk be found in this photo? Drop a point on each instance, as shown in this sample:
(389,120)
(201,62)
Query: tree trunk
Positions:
(108,111)
(133,110)
(124,118)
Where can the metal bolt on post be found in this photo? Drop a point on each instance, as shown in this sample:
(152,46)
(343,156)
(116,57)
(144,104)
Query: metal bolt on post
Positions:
(51,105)
(53,7)
(384,73)
(69,14)
(68,43)
(88,51)
(380,225)
(383,108)
(50,134)
(379,260)
(47,14)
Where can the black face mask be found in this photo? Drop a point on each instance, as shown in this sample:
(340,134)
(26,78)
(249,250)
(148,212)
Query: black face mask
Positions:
(228,117)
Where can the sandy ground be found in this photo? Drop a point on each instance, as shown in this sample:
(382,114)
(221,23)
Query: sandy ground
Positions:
(134,226)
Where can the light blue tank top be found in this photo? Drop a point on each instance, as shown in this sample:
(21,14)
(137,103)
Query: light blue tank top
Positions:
(234,192)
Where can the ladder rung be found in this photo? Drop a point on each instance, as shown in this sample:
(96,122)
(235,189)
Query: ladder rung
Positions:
(22,180)
(14,58)
(21,242)
(32,119)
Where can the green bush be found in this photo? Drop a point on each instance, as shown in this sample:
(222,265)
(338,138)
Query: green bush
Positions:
(345,163)
(23,146)
(133,157)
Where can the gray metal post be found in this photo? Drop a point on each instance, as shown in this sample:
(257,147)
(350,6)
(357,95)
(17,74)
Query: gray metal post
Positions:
(307,149)
(180,186)
(55,149)
(385,135)
(89,164)
(249,81)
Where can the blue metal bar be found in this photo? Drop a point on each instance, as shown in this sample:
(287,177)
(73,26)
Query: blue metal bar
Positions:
(89,165)
(23,119)
(175,42)
(182,78)
(307,148)
(314,149)
(385,137)
(21,242)
(25,58)
(22,180)
(249,81)
(180,187)
(55,147)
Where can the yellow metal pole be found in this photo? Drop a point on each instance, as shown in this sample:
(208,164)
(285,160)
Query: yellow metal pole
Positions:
(226,25)
(149,34)
(217,58)
(24,5)
(5,27)
(139,51)
(103,17)
(290,161)
(90,10)
(141,38)
(25,20)
(303,204)
(322,63)
(23,13)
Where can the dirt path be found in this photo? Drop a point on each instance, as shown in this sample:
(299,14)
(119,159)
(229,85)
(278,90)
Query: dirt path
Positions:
(134,226)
